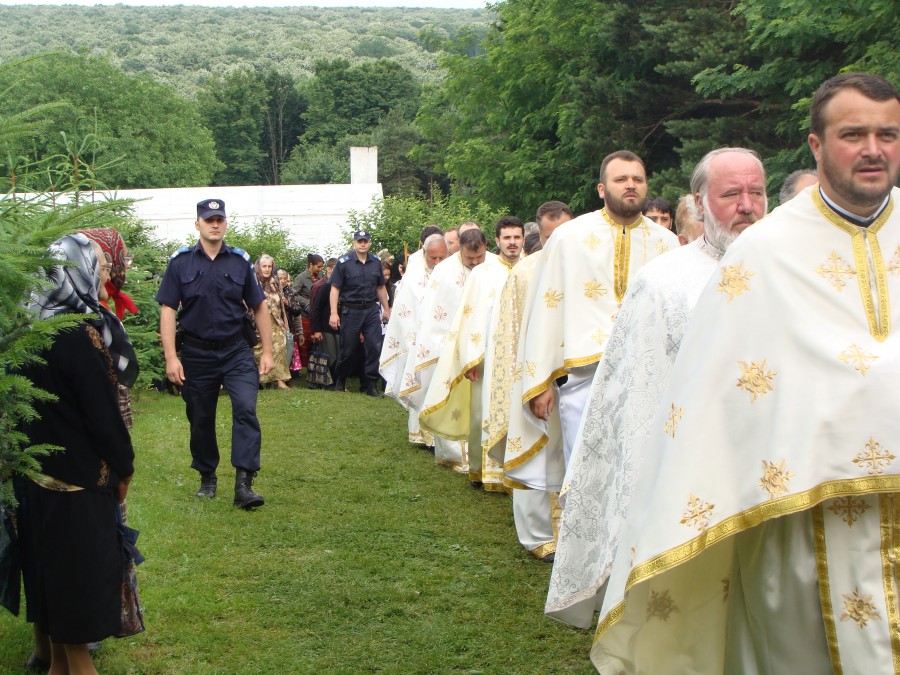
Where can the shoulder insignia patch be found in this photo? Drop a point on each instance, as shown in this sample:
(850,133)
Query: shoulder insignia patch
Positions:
(344,259)
(375,257)
(241,252)
(183,249)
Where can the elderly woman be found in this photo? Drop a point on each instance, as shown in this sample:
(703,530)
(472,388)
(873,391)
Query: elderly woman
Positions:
(265,273)
(71,542)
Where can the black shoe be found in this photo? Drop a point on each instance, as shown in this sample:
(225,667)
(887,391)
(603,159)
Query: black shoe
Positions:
(372,391)
(244,496)
(339,385)
(549,557)
(208,483)
(34,664)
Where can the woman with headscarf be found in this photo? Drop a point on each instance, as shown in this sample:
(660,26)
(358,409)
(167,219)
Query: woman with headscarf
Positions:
(72,546)
(265,273)
(115,255)
(292,307)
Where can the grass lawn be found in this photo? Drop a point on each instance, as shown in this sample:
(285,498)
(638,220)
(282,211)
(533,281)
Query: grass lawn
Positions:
(366,557)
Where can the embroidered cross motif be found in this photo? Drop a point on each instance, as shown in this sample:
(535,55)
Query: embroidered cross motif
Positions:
(552,298)
(858,608)
(858,358)
(849,509)
(697,513)
(393,344)
(514,444)
(594,290)
(873,458)
(455,414)
(440,314)
(468,311)
(599,336)
(756,379)
(894,265)
(775,478)
(660,606)
(592,242)
(530,368)
(836,271)
(735,281)
(661,247)
(475,338)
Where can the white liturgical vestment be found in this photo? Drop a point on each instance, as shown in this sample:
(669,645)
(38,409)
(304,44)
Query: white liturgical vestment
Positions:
(764,529)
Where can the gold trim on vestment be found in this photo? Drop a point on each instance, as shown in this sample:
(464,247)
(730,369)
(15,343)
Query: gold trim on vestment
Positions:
(54,484)
(890,542)
(539,389)
(499,436)
(880,324)
(514,484)
(622,258)
(818,522)
(583,361)
(422,366)
(459,378)
(384,363)
(756,515)
(543,550)
(496,488)
(527,455)
(407,392)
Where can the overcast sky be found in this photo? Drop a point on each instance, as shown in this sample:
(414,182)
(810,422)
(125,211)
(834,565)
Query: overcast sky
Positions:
(446,4)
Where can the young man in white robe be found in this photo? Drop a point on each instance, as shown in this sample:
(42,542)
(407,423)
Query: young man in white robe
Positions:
(453,407)
(763,540)
(580,281)
(533,510)
(630,378)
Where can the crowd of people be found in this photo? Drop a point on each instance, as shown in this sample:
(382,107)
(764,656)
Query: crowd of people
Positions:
(691,408)
(694,423)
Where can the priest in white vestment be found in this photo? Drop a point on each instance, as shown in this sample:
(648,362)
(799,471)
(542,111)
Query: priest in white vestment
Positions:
(401,329)
(629,381)
(436,314)
(578,285)
(761,538)
(534,511)
(453,404)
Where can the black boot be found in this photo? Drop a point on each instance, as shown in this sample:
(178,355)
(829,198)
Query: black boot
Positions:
(208,482)
(340,384)
(244,496)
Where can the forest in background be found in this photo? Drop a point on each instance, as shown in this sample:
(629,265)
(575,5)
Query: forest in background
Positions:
(506,108)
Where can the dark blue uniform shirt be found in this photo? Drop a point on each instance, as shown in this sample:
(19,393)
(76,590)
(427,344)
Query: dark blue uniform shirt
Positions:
(212,293)
(357,281)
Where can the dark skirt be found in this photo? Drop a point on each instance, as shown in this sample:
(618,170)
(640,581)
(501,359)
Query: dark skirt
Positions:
(77,562)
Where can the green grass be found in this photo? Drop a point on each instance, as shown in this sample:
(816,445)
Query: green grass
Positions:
(366,557)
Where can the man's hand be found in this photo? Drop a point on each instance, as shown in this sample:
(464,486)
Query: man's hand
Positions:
(543,404)
(334,321)
(175,371)
(386,315)
(472,374)
(266,363)
(316,337)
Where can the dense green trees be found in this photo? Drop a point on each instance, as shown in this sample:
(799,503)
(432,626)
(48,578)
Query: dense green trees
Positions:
(142,133)
(562,83)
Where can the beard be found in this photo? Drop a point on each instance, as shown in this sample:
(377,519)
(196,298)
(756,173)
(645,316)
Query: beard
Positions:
(718,233)
(622,208)
(868,196)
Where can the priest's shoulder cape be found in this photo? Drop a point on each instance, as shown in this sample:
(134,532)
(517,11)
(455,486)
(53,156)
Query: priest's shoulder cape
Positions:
(446,410)
(782,402)
(625,392)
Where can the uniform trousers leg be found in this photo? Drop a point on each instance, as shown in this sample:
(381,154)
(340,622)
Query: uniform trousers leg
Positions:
(241,381)
(371,329)
(200,391)
(351,326)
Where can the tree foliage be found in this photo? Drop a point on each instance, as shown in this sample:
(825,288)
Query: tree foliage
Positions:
(136,132)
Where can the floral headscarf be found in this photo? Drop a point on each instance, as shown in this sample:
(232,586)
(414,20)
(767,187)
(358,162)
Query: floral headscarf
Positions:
(74,289)
(113,247)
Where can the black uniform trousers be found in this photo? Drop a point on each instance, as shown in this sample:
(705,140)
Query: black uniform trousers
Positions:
(353,322)
(205,370)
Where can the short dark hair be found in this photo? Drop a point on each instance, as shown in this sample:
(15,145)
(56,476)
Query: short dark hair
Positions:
(659,204)
(331,262)
(427,231)
(314,259)
(554,210)
(508,221)
(473,239)
(871,86)
(532,243)
(627,155)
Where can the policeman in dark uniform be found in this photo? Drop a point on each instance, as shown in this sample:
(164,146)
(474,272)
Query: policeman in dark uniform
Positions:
(214,284)
(357,287)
